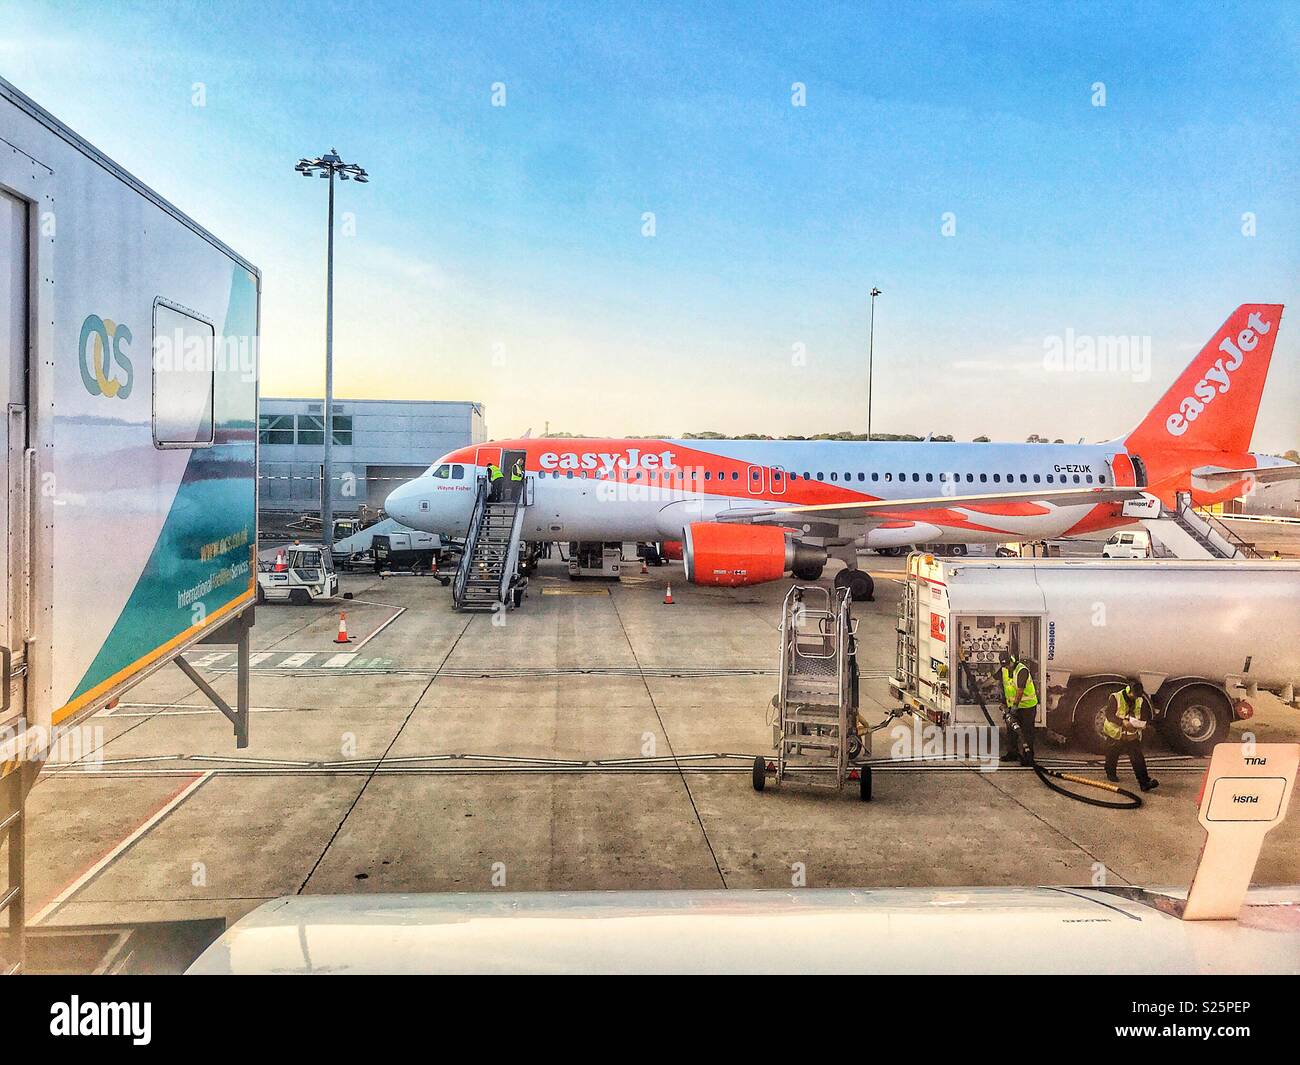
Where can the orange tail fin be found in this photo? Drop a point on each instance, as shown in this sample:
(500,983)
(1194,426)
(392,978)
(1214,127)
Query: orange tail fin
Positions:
(1213,404)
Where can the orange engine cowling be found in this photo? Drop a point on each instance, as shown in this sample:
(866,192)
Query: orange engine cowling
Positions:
(731,555)
(671,550)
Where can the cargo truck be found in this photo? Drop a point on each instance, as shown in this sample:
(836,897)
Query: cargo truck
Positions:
(1204,637)
(128,380)
(128,335)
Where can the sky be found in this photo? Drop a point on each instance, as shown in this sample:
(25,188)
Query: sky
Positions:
(667,219)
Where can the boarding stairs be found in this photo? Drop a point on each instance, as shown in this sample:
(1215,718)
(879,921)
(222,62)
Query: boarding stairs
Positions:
(488,577)
(1185,532)
(815,702)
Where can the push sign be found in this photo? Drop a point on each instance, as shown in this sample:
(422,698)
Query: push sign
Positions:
(1246,792)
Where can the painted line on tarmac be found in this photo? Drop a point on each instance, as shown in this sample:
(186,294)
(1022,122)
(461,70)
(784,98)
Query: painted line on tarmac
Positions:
(124,845)
(400,611)
(196,709)
(373,772)
(663,672)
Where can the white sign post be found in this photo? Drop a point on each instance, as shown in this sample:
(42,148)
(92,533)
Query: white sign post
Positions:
(1246,792)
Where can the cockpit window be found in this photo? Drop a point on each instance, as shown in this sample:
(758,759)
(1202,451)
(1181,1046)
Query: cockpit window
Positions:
(458,472)
(442,472)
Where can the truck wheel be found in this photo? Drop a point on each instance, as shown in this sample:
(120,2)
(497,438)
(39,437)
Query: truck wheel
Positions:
(261,594)
(808,573)
(299,597)
(1196,719)
(1089,715)
(957,550)
(760,773)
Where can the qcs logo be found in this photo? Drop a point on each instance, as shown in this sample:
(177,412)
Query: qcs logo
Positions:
(105,368)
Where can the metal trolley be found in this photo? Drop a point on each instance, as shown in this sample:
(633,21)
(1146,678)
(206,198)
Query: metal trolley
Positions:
(816,733)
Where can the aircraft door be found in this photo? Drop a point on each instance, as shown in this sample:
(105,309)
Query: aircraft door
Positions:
(754,480)
(514,489)
(777,477)
(1128,470)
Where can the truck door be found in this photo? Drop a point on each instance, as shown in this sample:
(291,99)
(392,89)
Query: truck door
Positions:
(15,536)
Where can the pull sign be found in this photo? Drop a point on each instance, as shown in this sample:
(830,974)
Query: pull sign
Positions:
(1246,792)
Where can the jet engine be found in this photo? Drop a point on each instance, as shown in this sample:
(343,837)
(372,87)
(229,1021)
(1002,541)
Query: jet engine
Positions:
(727,555)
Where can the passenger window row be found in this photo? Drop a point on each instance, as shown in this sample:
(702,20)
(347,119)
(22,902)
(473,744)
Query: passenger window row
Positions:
(777,475)
(956,478)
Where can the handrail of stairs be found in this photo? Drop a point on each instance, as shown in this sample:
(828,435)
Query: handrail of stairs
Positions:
(511,566)
(1212,529)
(1222,529)
(471,539)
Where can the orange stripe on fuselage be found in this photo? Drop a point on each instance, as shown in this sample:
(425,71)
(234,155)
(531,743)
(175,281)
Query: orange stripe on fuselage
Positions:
(1009,510)
(727,476)
(685,459)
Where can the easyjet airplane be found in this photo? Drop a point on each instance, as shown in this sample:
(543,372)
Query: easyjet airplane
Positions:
(749,511)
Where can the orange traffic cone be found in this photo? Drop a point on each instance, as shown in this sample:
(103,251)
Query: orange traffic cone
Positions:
(668,596)
(280,564)
(343,636)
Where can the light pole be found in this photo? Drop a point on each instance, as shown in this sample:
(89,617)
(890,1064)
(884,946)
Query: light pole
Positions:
(326,166)
(871,345)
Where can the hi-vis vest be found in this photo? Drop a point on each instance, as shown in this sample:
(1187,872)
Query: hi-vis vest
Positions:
(517,470)
(494,472)
(1029,697)
(1123,710)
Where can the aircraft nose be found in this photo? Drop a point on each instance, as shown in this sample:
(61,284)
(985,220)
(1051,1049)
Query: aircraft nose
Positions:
(400,504)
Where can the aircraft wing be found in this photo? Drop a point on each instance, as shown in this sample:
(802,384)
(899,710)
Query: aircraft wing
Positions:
(1210,478)
(871,512)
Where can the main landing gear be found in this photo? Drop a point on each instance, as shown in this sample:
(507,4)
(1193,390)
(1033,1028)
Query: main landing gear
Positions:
(859,583)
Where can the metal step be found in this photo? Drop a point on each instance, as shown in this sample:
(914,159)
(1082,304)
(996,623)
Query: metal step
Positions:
(818,743)
(821,695)
(827,719)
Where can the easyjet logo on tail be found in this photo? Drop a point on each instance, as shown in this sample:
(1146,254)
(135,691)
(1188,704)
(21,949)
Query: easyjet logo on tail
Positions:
(1218,378)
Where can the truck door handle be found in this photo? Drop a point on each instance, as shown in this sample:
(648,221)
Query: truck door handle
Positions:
(6,669)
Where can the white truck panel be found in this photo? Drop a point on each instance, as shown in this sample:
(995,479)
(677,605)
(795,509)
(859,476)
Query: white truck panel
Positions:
(1220,619)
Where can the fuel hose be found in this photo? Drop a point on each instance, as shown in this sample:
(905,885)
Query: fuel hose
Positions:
(1130,800)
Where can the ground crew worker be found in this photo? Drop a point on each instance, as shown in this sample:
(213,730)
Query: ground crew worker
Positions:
(516,477)
(494,482)
(1128,711)
(1020,698)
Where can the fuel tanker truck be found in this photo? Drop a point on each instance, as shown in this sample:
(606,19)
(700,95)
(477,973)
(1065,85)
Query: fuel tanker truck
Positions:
(1204,637)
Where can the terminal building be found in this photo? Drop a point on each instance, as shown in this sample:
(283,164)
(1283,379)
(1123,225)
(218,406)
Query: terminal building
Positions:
(378,444)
